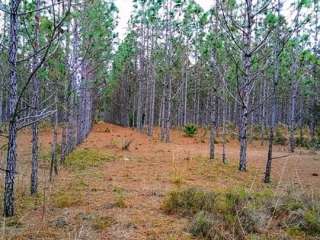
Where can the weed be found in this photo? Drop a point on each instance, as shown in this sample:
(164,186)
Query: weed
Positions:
(119,197)
(177,179)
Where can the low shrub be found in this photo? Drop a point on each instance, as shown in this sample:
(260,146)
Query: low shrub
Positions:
(205,225)
(311,222)
(190,130)
(189,201)
(315,143)
(302,141)
(245,213)
(279,137)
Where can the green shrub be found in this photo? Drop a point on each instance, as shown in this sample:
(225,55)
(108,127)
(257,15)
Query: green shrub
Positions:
(312,221)
(189,201)
(315,143)
(302,142)
(190,130)
(243,213)
(279,137)
(255,132)
(205,225)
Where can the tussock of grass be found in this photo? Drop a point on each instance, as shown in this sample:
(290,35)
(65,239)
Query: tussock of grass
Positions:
(102,223)
(81,159)
(189,201)
(177,179)
(243,213)
(71,195)
(205,225)
(64,199)
(119,194)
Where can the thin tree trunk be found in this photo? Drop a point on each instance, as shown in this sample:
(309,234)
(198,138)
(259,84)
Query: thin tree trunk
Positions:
(65,100)
(224,158)
(292,122)
(185,102)
(246,88)
(212,128)
(267,176)
(35,104)
(1,100)
(54,159)
(13,98)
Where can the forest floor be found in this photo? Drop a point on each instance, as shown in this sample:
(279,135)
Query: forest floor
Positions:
(121,197)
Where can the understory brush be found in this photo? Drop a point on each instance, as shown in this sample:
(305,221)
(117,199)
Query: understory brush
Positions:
(190,130)
(243,214)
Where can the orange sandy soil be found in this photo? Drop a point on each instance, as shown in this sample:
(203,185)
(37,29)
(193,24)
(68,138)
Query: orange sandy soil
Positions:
(143,175)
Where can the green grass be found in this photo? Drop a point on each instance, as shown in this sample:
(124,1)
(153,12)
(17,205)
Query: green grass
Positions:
(245,213)
(82,159)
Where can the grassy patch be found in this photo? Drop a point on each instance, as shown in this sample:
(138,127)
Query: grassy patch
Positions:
(82,159)
(205,225)
(64,199)
(189,201)
(244,213)
(71,195)
(102,223)
(119,194)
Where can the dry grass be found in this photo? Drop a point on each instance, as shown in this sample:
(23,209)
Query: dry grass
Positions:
(102,223)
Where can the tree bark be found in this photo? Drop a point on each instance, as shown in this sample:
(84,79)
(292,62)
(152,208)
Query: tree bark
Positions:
(276,75)
(13,98)
(245,87)
(35,104)
(54,160)
(212,128)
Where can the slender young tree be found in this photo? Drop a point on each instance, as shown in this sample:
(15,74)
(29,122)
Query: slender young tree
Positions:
(35,101)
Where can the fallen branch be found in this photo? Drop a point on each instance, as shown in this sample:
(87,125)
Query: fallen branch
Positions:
(281,157)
